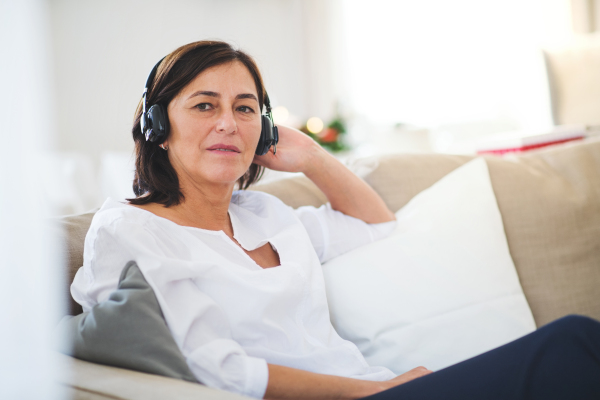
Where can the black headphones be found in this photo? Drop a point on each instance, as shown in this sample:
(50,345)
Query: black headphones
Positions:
(155,122)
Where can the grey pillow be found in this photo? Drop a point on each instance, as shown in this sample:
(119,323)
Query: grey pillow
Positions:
(128,331)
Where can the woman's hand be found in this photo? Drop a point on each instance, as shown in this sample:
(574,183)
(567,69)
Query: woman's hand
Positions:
(347,193)
(294,152)
(400,379)
(408,376)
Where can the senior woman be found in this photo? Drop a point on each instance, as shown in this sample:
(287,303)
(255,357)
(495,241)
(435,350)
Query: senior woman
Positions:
(237,273)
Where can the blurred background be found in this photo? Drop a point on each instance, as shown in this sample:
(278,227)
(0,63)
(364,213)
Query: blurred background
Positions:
(388,76)
(392,76)
(363,78)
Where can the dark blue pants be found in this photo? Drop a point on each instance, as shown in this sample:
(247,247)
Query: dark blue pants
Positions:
(560,360)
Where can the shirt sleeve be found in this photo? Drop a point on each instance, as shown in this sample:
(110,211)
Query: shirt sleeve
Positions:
(198,325)
(333,233)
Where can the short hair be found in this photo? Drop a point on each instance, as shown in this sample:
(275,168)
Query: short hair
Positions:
(155,179)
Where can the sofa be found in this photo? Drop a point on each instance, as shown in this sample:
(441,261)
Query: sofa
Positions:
(549,201)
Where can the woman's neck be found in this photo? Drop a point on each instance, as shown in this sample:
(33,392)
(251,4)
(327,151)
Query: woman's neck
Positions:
(206,209)
(202,207)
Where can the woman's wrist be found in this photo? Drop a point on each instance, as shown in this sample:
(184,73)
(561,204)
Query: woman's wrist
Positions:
(316,160)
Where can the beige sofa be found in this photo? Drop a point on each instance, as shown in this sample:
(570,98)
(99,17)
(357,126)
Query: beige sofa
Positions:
(550,205)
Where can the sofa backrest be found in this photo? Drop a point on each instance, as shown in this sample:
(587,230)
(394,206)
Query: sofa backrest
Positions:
(549,201)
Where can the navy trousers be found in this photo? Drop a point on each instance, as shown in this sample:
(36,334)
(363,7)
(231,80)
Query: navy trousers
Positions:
(560,360)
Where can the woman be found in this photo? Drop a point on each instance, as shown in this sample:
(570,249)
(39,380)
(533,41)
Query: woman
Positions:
(237,273)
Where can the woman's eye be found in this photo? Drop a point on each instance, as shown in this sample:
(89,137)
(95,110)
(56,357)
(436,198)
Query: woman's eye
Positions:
(204,106)
(245,109)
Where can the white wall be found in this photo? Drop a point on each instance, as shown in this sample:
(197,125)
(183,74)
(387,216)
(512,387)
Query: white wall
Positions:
(104,50)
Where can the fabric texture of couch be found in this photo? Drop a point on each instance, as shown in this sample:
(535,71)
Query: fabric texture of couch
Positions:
(550,205)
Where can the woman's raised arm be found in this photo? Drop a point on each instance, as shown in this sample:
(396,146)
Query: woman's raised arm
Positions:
(346,192)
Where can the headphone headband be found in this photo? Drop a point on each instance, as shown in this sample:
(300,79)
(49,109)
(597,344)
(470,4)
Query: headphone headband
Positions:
(149,81)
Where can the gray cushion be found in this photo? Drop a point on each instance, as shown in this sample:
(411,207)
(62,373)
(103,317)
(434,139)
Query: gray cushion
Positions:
(128,330)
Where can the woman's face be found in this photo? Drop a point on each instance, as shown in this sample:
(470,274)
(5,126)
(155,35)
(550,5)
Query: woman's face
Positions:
(215,126)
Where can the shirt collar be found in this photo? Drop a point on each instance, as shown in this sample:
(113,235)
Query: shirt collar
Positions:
(246,227)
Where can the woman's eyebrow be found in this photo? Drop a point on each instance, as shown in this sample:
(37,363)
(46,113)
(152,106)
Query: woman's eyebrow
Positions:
(204,93)
(246,96)
(217,95)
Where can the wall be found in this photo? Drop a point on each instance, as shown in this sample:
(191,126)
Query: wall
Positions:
(104,50)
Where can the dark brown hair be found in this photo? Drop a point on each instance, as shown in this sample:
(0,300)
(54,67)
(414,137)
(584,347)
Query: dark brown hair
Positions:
(155,178)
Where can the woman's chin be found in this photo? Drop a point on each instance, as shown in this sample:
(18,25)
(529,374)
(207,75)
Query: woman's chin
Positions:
(225,178)
(220,172)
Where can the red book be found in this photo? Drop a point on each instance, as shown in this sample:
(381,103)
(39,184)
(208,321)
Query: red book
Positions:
(516,142)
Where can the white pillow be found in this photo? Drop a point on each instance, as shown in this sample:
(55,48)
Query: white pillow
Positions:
(441,289)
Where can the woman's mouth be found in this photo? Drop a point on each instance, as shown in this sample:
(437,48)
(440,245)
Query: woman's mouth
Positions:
(223,148)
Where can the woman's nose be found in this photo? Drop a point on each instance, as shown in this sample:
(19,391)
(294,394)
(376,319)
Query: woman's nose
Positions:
(226,122)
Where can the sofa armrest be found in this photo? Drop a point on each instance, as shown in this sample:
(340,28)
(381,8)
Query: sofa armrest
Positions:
(86,380)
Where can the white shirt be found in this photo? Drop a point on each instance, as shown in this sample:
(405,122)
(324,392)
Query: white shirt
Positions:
(229,316)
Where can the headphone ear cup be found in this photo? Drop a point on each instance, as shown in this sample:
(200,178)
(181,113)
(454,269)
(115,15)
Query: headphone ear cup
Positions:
(157,124)
(266,135)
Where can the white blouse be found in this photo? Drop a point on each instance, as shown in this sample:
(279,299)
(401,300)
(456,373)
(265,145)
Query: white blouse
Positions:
(229,316)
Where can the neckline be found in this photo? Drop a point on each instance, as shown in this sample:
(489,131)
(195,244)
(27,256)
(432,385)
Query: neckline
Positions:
(235,226)
(146,212)
(240,233)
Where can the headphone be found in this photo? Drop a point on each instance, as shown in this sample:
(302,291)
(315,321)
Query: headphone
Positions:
(155,121)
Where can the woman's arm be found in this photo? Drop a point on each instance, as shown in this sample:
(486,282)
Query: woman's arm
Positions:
(291,383)
(346,192)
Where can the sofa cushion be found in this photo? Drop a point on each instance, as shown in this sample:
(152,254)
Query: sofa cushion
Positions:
(441,289)
(295,192)
(400,177)
(128,330)
(550,205)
